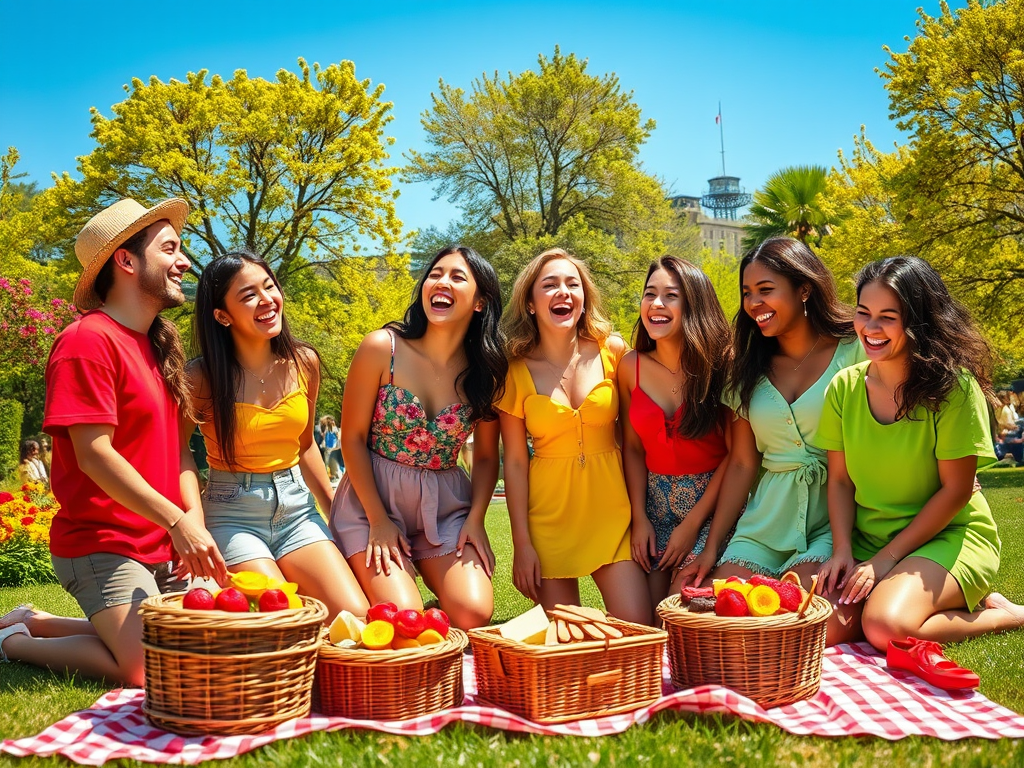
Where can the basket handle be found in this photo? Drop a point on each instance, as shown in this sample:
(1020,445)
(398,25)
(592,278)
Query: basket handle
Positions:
(604,678)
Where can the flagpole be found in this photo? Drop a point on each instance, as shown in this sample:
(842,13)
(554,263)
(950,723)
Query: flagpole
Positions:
(721,135)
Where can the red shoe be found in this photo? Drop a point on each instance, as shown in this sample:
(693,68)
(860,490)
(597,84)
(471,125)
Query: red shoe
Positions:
(924,658)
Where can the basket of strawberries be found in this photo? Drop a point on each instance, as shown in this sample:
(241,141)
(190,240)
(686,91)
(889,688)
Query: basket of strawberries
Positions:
(233,661)
(394,665)
(763,637)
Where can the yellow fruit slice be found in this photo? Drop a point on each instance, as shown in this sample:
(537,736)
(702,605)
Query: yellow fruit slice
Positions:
(740,586)
(249,583)
(344,627)
(294,601)
(377,635)
(429,637)
(288,587)
(400,643)
(762,600)
(718,585)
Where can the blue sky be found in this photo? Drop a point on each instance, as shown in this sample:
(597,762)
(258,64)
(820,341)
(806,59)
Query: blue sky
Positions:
(796,79)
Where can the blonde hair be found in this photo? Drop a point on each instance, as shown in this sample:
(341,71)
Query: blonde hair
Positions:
(521,332)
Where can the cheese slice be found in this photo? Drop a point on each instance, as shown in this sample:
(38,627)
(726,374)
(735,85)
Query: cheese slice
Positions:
(530,627)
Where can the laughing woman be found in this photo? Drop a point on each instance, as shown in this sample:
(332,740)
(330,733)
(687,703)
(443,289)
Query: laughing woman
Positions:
(255,389)
(792,335)
(568,504)
(915,547)
(415,392)
(675,431)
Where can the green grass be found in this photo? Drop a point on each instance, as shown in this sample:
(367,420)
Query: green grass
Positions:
(31,699)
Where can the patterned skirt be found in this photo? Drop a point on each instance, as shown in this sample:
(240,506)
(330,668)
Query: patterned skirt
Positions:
(670,499)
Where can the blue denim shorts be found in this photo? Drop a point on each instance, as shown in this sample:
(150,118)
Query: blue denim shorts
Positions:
(261,516)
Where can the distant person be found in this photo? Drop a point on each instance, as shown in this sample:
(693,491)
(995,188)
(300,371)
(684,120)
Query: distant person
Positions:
(122,470)
(332,448)
(46,452)
(31,468)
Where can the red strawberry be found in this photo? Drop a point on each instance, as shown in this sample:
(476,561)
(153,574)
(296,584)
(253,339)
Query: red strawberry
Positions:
(410,623)
(382,612)
(757,579)
(437,620)
(232,600)
(789,595)
(273,600)
(731,603)
(198,599)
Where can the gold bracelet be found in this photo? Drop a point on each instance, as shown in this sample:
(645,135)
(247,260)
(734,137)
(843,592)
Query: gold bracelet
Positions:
(889,552)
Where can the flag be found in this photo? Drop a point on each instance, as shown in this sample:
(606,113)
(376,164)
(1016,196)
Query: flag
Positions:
(718,118)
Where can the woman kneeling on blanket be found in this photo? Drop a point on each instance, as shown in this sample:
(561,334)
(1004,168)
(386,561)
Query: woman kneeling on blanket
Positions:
(915,548)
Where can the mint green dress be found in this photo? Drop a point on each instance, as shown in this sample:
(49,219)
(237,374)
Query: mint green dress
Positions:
(895,470)
(786,520)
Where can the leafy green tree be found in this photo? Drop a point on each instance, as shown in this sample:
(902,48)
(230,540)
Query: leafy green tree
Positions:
(292,169)
(790,204)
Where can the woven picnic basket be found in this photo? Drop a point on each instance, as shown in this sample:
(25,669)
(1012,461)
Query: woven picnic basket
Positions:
(574,681)
(774,660)
(213,672)
(389,685)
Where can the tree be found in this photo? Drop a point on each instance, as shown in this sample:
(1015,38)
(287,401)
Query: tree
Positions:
(527,153)
(959,91)
(790,204)
(291,169)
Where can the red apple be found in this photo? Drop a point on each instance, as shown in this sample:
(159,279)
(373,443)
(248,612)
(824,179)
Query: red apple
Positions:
(273,600)
(198,599)
(382,612)
(437,620)
(410,623)
(232,600)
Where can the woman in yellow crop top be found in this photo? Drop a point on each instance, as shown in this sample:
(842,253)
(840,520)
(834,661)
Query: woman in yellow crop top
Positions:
(254,388)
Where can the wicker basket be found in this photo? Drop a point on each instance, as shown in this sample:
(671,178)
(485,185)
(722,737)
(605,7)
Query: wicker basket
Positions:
(390,685)
(774,660)
(211,672)
(559,683)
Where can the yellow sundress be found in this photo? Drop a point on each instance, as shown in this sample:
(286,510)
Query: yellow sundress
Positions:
(579,513)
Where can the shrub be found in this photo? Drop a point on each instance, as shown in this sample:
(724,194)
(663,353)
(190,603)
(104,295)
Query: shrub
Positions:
(11,414)
(25,518)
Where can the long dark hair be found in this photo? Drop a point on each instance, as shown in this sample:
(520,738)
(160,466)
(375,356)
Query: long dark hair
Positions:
(828,316)
(216,348)
(483,379)
(28,447)
(705,351)
(162,333)
(943,339)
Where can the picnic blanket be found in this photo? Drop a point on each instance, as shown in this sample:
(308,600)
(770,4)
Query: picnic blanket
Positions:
(859,696)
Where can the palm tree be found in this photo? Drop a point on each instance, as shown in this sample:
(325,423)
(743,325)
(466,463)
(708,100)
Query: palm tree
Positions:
(790,204)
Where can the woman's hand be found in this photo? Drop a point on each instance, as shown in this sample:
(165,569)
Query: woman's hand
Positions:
(643,543)
(473,532)
(526,571)
(834,573)
(199,554)
(680,544)
(698,569)
(863,579)
(386,544)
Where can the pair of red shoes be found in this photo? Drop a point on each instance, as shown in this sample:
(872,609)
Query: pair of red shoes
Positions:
(924,658)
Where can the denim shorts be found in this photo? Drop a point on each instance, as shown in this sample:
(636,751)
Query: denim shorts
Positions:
(103,580)
(261,516)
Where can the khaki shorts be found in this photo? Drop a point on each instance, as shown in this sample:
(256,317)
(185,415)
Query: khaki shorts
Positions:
(103,580)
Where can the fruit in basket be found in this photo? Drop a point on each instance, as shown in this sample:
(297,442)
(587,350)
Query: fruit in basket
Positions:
(688,593)
(273,600)
(232,600)
(702,605)
(762,600)
(250,583)
(429,637)
(437,620)
(409,623)
(346,627)
(294,601)
(378,634)
(730,583)
(198,599)
(731,603)
(401,643)
(382,612)
(790,596)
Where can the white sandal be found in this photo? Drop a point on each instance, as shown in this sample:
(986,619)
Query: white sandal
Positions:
(6,619)
(14,629)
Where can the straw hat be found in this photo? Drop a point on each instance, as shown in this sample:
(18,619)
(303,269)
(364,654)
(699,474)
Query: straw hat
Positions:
(107,231)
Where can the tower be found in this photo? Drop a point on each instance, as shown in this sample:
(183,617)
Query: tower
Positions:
(725,196)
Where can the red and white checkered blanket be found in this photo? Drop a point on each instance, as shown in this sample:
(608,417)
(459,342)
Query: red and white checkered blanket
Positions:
(858,696)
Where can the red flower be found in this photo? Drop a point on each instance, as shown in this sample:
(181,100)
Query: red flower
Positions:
(26,521)
(25,498)
(5,497)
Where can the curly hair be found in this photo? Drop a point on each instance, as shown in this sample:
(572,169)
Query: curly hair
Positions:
(943,340)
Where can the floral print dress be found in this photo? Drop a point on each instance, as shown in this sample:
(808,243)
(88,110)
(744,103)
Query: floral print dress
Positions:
(414,460)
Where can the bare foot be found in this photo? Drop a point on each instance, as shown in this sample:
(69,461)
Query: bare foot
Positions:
(997,602)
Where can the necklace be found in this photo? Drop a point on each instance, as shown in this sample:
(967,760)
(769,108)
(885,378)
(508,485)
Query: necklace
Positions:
(679,384)
(809,353)
(261,379)
(569,369)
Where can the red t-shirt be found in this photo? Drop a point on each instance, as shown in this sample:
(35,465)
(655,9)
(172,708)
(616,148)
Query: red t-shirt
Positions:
(101,372)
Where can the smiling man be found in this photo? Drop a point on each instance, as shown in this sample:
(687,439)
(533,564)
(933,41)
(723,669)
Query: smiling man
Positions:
(114,386)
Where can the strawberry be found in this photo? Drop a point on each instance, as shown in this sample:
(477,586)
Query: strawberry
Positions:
(198,599)
(437,620)
(731,603)
(790,595)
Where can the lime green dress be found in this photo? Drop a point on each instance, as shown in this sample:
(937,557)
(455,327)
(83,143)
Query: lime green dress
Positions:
(895,470)
(786,520)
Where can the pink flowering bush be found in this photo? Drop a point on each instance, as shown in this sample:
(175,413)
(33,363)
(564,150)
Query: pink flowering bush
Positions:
(30,319)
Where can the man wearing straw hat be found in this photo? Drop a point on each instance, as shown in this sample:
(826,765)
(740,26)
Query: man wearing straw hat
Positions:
(114,386)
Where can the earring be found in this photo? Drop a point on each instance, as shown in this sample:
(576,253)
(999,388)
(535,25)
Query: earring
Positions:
(805,307)
(583,311)
(530,310)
